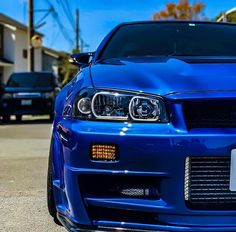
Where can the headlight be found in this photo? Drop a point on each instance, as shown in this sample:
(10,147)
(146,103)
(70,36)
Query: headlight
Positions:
(48,95)
(145,108)
(7,96)
(118,105)
(111,105)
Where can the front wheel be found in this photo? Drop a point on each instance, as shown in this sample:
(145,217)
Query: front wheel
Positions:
(18,118)
(51,117)
(6,118)
(50,195)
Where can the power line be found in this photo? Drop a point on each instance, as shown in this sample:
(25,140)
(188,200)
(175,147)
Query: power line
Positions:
(59,23)
(55,38)
(45,16)
(74,24)
(67,12)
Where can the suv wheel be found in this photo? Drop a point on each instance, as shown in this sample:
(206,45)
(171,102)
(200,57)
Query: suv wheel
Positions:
(51,117)
(6,118)
(18,118)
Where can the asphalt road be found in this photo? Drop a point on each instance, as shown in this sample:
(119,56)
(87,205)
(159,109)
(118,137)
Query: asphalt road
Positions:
(23,169)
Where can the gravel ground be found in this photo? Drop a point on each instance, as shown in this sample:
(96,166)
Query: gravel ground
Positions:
(23,157)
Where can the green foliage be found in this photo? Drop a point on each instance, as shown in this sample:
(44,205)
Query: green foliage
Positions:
(67,70)
(74,50)
(182,10)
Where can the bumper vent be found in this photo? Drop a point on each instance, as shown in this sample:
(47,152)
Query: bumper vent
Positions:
(100,186)
(207,182)
(108,214)
(210,114)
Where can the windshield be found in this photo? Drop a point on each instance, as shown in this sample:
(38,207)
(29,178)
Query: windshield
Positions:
(31,80)
(170,39)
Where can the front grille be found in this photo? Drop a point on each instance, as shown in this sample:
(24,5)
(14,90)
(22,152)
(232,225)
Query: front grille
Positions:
(207,182)
(210,114)
(26,95)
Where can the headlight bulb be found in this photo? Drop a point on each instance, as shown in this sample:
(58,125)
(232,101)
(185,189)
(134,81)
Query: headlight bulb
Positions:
(84,105)
(143,108)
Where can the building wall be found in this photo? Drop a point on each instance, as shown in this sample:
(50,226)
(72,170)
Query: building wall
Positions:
(21,63)
(14,44)
(50,63)
(9,40)
(21,44)
(38,59)
(7,71)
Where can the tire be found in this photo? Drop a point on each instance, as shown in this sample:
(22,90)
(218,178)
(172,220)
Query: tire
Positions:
(51,117)
(18,118)
(50,195)
(6,118)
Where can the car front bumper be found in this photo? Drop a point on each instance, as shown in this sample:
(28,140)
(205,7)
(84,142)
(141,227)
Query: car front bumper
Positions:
(37,106)
(73,227)
(145,151)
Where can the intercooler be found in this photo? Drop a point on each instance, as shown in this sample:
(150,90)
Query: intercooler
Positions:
(207,181)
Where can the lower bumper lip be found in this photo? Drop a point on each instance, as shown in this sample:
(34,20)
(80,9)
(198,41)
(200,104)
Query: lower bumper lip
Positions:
(72,227)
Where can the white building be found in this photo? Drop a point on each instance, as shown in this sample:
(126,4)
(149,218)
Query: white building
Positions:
(13,50)
(227,16)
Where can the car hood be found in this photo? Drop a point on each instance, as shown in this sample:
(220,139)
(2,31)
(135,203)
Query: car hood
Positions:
(27,89)
(165,76)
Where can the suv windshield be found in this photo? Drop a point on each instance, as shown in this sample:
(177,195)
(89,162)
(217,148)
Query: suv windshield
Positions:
(172,39)
(30,80)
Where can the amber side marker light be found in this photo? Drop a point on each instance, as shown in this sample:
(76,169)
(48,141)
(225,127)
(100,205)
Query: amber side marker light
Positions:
(104,152)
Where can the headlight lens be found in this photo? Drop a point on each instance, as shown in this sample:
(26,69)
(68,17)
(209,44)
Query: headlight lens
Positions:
(118,105)
(7,96)
(111,105)
(145,108)
(48,95)
(84,105)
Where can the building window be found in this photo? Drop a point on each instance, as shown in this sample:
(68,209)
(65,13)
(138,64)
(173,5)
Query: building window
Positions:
(25,53)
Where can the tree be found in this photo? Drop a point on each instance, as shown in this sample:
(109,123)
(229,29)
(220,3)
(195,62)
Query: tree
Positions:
(66,70)
(182,10)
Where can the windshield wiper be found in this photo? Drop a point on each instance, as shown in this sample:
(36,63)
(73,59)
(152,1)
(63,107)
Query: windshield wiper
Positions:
(181,54)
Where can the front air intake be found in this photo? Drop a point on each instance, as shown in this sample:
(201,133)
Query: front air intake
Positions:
(207,181)
(210,114)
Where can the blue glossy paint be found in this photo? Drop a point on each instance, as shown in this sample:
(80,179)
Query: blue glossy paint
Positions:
(164,76)
(146,149)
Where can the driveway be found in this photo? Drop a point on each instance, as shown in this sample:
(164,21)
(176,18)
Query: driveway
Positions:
(23,158)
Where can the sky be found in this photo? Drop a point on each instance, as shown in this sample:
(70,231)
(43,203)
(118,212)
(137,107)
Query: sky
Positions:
(97,17)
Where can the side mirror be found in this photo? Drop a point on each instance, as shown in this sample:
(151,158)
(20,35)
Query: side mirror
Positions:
(81,59)
(57,90)
(2,86)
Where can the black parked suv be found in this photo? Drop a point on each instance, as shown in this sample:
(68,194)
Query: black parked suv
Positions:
(29,93)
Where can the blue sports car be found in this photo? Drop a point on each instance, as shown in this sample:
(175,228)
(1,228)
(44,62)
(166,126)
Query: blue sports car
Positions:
(144,136)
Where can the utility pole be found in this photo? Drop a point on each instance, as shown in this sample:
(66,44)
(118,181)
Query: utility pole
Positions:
(82,45)
(77,30)
(30,35)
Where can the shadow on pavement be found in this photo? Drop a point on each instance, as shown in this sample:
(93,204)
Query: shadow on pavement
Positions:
(26,121)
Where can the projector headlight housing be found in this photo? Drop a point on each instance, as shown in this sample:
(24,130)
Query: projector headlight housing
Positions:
(7,96)
(119,106)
